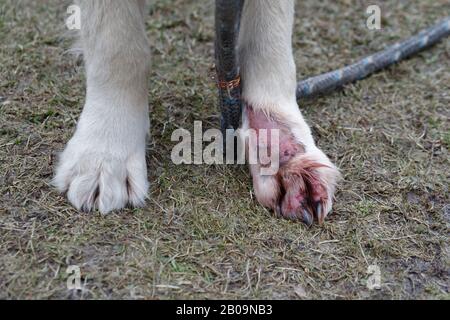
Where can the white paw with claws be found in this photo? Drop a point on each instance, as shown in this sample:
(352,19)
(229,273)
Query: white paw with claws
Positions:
(103,166)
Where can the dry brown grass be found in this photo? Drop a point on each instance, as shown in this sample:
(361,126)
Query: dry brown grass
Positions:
(202,234)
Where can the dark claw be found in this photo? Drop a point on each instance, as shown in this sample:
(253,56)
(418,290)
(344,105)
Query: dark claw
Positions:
(307,217)
(320,215)
(318,210)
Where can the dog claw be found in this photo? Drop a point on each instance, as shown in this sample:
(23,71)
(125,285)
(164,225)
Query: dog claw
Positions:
(307,217)
(319,214)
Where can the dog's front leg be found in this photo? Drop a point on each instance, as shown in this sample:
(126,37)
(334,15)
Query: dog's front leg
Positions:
(103,166)
(303,186)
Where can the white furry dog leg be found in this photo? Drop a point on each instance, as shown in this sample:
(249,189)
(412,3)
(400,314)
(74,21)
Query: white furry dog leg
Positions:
(305,183)
(103,166)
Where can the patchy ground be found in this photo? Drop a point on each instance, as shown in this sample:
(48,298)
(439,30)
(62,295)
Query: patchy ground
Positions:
(202,235)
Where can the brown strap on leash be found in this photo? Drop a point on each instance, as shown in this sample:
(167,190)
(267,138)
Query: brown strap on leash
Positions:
(229,85)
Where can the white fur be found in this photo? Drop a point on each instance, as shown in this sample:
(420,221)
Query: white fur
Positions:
(103,165)
(269,79)
(267,63)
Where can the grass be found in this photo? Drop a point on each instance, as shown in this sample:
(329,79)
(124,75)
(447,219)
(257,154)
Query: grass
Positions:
(202,234)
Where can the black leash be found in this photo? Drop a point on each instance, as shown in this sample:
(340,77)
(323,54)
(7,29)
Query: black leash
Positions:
(228,17)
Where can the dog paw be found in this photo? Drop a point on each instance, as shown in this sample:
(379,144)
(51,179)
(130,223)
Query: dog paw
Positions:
(303,186)
(101,181)
(103,167)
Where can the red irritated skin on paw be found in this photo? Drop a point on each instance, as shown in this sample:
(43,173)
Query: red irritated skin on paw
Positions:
(288,147)
(302,192)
